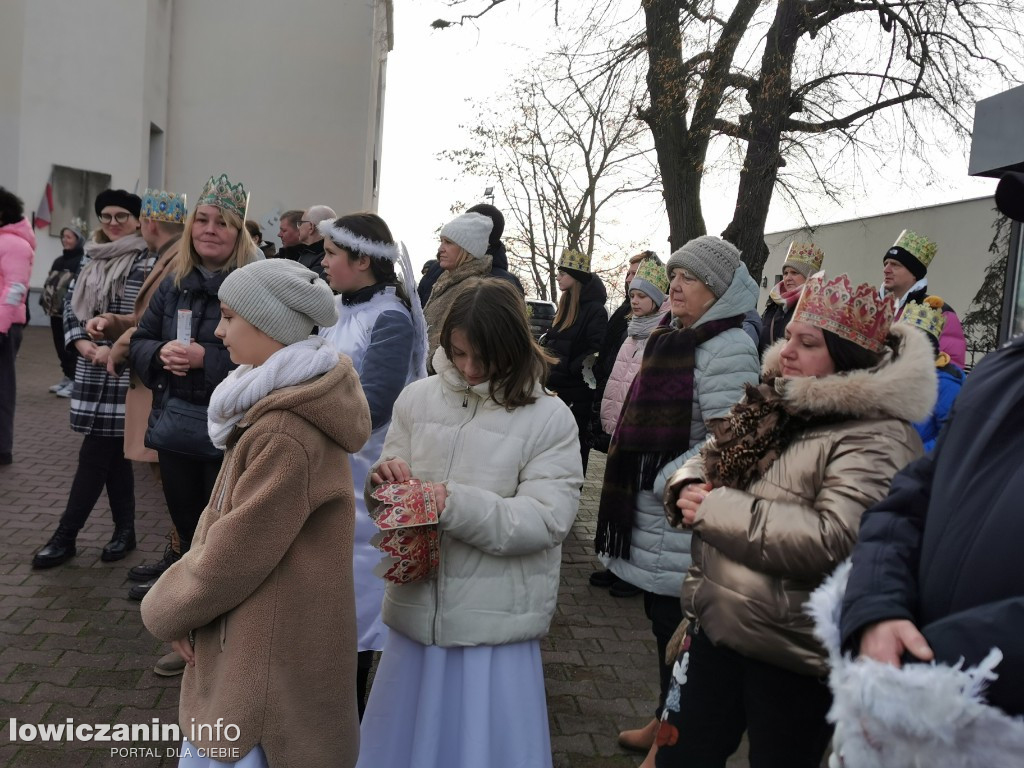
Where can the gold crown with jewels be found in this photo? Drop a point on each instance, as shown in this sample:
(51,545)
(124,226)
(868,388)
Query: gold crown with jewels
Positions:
(574,260)
(225,195)
(855,314)
(805,257)
(927,316)
(158,205)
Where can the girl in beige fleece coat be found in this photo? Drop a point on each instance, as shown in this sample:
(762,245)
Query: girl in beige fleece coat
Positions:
(262,607)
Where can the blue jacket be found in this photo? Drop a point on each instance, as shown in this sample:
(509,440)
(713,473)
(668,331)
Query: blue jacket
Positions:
(951,378)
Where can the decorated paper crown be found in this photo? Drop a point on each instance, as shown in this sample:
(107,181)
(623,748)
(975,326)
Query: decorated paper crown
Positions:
(158,205)
(408,535)
(225,195)
(918,246)
(855,314)
(574,260)
(927,316)
(805,257)
(654,273)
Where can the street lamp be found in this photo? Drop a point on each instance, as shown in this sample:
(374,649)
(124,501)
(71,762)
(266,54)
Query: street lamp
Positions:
(489,194)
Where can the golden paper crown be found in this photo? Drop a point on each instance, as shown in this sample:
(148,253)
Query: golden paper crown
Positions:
(158,205)
(805,257)
(918,246)
(574,260)
(855,314)
(225,195)
(654,273)
(927,316)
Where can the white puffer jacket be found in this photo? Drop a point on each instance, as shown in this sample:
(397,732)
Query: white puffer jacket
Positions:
(659,554)
(513,480)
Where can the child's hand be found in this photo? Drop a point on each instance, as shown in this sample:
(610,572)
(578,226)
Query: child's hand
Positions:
(440,495)
(183,648)
(391,471)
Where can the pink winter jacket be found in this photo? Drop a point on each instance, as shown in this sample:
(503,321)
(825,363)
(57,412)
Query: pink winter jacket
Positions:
(17,249)
(627,364)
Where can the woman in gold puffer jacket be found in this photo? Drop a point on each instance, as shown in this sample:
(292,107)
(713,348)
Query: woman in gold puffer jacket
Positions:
(774,502)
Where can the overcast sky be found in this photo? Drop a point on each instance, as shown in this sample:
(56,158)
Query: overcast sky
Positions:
(432,73)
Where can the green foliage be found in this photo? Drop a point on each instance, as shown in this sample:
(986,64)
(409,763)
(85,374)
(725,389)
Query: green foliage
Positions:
(981,323)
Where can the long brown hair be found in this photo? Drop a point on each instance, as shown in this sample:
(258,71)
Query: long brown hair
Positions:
(568,306)
(492,314)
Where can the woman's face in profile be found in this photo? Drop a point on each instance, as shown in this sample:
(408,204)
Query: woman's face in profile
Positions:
(805,353)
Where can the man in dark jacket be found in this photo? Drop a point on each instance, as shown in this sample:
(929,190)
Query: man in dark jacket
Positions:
(934,570)
(310,252)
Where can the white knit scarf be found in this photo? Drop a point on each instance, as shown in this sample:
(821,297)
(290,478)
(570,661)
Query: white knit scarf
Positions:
(247,385)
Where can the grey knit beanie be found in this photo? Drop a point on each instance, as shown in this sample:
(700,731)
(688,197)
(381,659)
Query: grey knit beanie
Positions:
(711,259)
(471,231)
(281,298)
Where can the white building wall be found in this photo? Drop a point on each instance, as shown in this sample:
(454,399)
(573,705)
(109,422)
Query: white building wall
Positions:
(962,230)
(12,44)
(83,99)
(280,96)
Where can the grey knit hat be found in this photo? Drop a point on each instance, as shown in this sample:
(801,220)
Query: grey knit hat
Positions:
(470,231)
(711,259)
(281,298)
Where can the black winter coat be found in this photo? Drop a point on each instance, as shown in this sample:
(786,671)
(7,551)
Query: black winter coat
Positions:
(773,324)
(943,549)
(160,325)
(572,345)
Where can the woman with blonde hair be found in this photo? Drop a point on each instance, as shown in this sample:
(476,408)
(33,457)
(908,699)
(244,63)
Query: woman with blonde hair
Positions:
(462,255)
(183,377)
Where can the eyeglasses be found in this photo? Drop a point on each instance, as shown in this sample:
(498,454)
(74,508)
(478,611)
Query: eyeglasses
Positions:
(120,217)
(307,222)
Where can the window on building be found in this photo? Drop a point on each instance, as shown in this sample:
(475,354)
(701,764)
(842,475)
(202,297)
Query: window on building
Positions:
(74,192)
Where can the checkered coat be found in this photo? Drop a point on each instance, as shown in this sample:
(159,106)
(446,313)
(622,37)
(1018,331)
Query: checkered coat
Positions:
(97,399)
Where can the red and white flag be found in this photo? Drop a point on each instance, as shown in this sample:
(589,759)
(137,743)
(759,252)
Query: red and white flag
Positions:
(44,213)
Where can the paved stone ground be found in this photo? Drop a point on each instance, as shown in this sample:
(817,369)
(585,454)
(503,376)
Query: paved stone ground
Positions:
(72,644)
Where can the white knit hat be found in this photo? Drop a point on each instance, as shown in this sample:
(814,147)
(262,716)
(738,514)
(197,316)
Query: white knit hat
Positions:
(712,260)
(281,298)
(470,231)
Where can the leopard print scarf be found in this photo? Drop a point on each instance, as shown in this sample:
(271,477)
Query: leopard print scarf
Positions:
(756,432)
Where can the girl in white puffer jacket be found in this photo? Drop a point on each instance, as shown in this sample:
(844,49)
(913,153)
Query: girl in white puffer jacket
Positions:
(647,293)
(460,683)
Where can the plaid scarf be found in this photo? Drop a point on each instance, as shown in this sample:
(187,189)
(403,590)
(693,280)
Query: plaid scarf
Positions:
(654,427)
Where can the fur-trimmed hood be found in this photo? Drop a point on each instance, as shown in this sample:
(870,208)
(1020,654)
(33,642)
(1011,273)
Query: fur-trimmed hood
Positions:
(919,715)
(903,386)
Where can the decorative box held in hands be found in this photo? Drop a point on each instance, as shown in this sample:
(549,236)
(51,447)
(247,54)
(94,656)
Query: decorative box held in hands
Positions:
(408,536)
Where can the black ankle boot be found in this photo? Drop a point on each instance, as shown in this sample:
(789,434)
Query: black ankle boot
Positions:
(121,543)
(59,549)
(151,571)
